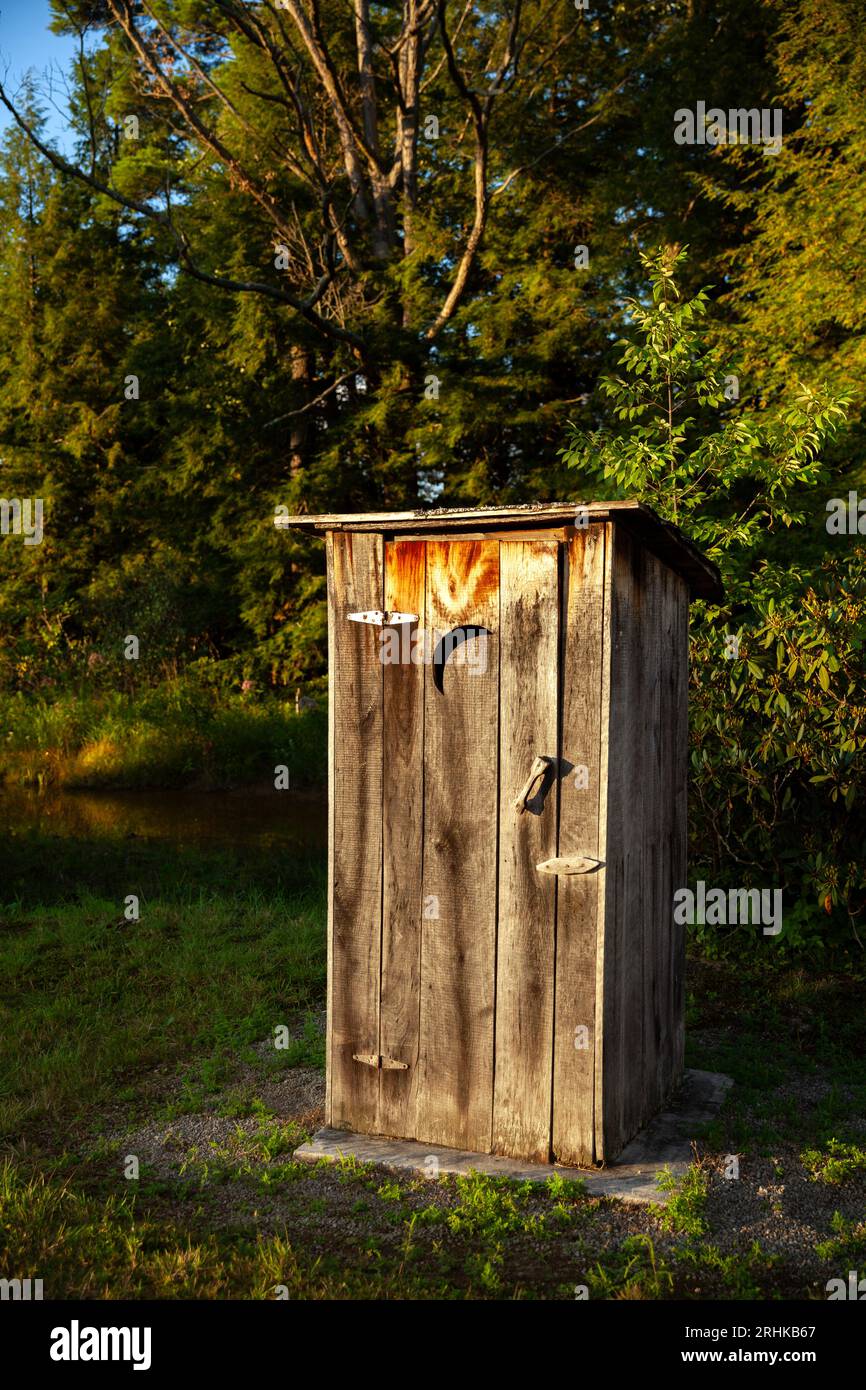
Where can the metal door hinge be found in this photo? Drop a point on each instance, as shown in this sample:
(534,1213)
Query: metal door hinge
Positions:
(370,1059)
(382,619)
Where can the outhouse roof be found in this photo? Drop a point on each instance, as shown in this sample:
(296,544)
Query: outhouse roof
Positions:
(661,537)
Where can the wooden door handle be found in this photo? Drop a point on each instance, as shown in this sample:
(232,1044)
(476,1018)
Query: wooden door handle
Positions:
(570,864)
(540,764)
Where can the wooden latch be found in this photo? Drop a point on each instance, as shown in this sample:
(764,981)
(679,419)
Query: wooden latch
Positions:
(569,864)
(536,773)
(370,1059)
(382,619)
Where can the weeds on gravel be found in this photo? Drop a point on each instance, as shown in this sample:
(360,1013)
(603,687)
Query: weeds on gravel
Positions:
(488,1211)
(684,1212)
(350,1169)
(848,1242)
(695,1260)
(838,1164)
(490,1207)
(239,1106)
(746,1274)
(632,1271)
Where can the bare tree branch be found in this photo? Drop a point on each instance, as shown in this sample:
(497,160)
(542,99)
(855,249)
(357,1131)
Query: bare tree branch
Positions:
(305,307)
(480,115)
(341,89)
(428,81)
(291,414)
(218,92)
(123,14)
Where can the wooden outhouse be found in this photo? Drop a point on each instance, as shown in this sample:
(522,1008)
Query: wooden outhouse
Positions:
(508,750)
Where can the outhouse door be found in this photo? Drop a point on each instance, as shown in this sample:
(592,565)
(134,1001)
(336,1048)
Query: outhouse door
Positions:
(467,688)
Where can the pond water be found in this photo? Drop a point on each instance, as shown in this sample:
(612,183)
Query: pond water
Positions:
(244,819)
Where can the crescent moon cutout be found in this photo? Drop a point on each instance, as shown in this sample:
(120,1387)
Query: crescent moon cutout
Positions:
(449,643)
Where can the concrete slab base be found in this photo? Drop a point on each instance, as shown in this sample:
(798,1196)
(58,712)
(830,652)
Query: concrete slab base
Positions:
(665,1143)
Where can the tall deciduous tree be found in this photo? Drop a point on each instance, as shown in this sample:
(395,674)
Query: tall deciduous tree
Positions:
(390,246)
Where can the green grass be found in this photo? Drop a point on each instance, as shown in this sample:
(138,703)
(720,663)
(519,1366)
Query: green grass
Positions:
(308,1050)
(108,1026)
(106,1247)
(684,1211)
(471,1237)
(224,950)
(100,999)
(175,735)
(778,1025)
(101,1248)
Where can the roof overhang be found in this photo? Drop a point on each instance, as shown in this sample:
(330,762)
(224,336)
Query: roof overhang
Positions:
(661,537)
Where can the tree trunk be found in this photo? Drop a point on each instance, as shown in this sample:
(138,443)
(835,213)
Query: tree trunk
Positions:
(303,364)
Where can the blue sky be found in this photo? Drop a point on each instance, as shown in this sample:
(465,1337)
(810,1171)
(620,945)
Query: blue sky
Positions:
(26,42)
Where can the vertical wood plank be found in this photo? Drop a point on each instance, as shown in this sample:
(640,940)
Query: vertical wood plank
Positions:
(329,1000)
(659,811)
(663,729)
(402,828)
(355,851)
(528,702)
(678,870)
(644,819)
(581,831)
(622,945)
(641,947)
(458,930)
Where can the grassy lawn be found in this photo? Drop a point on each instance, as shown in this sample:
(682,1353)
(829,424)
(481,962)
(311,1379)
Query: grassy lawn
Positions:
(177,734)
(148,1120)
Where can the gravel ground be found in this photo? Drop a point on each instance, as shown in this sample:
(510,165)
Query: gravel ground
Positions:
(176,1148)
(219,1159)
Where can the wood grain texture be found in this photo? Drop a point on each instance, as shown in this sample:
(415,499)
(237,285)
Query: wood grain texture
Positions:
(665,733)
(641,948)
(678,717)
(665,540)
(580,896)
(403,843)
(528,703)
(333,602)
(450,955)
(623,934)
(455,1081)
(658,811)
(355,851)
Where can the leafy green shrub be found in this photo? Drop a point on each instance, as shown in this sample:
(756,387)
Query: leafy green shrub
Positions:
(778,671)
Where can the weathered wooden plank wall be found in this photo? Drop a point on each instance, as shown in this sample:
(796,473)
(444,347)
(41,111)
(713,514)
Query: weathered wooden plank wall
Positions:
(677,754)
(642,949)
(528,702)
(448,951)
(355,572)
(403,844)
(581,831)
(455,1081)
